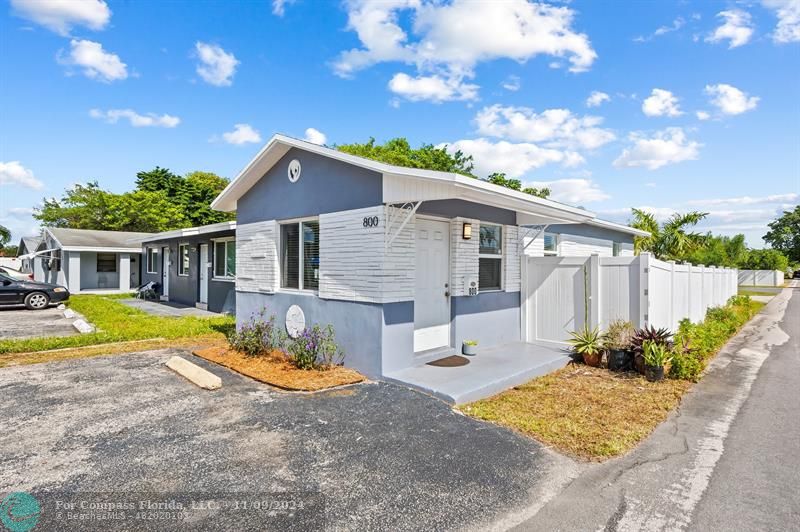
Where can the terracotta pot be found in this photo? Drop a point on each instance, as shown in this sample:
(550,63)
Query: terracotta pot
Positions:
(654,373)
(593,360)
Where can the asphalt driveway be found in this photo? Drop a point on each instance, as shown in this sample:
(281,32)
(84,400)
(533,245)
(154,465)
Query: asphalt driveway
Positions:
(23,323)
(371,456)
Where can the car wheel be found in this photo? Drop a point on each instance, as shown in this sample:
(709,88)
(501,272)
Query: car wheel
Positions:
(37,300)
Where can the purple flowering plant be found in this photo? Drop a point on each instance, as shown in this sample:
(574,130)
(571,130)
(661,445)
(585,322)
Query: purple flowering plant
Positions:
(315,348)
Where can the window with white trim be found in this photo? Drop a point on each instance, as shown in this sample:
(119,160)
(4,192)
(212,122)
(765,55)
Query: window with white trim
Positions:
(490,257)
(616,248)
(183,259)
(300,255)
(152,260)
(225,259)
(106,263)
(550,244)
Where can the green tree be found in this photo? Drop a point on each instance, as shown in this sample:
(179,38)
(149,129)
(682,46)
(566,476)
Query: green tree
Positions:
(670,240)
(499,178)
(766,259)
(5,235)
(730,252)
(784,234)
(399,152)
(90,207)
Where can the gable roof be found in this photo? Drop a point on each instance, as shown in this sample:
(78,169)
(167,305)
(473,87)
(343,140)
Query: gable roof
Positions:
(189,231)
(402,185)
(28,244)
(93,240)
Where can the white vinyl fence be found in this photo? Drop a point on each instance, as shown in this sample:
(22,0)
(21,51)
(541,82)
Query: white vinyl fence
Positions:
(563,293)
(760,278)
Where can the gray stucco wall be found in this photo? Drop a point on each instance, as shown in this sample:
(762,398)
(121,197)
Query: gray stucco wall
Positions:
(91,278)
(325,186)
(591,231)
(491,318)
(186,289)
(357,326)
(453,208)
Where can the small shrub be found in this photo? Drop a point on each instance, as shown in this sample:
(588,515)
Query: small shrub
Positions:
(315,348)
(686,366)
(619,335)
(257,337)
(661,336)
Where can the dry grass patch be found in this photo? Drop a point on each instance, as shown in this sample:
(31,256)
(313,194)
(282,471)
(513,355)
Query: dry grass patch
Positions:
(277,370)
(587,412)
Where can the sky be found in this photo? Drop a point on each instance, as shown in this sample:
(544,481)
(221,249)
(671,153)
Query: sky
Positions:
(668,106)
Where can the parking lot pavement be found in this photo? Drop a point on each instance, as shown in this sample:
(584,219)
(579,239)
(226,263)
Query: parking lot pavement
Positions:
(23,323)
(375,455)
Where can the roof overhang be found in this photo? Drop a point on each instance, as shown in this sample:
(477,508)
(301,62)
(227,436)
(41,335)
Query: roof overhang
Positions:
(618,227)
(188,231)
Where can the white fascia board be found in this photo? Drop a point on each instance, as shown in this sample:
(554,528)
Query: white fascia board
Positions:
(618,227)
(102,249)
(47,230)
(189,231)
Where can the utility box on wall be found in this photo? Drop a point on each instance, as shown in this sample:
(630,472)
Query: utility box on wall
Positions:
(471,285)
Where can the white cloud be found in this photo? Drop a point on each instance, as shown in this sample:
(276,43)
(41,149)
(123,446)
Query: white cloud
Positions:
(242,134)
(433,88)
(61,15)
(216,66)
(748,200)
(514,159)
(788,13)
(20,211)
(730,100)
(512,83)
(702,115)
(597,98)
(112,116)
(96,63)
(737,28)
(279,6)
(446,41)
(13,173)
(557,128)
(575,191)
(315,136)
(661,103)
(665,147)
(677,24)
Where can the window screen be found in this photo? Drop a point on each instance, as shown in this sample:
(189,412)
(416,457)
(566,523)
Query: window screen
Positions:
(311,255)
(230,258)
(225,259)
(290,256)
(489,273)
(491,240)
(183,258)
(106,263)
(550,243)
(152,256)
(616,249)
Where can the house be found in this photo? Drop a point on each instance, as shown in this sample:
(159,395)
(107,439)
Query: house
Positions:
(86,260)
(194,266)
(404,263)
(27,246)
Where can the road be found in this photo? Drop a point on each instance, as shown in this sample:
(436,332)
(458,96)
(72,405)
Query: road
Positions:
(727,459)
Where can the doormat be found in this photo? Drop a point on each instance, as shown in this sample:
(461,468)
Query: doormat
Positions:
(453,361)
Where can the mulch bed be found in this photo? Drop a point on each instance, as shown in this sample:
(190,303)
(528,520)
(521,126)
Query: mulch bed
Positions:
(275,369)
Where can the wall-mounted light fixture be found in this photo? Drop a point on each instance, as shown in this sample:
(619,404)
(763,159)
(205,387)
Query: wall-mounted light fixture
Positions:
(466,232)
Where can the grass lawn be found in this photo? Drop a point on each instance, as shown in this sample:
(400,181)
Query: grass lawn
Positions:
(757,292)
(115,322)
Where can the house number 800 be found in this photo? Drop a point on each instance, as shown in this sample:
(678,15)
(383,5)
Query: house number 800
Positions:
(370,221)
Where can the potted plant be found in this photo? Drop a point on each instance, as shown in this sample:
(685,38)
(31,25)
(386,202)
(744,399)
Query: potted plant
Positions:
(617,341)
(469,347)
(656,356)
(588,343)
(648,334)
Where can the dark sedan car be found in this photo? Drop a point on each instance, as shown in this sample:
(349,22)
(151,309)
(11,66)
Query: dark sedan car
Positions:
(32,294)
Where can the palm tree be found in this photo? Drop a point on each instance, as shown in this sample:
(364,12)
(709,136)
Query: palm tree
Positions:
(5,235)
(670,241)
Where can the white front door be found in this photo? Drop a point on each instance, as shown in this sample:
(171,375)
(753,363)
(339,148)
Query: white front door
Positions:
(165,274)
(203,273)
(431,295)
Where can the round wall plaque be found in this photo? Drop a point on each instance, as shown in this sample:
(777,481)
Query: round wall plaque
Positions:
(294,170)
(295,321)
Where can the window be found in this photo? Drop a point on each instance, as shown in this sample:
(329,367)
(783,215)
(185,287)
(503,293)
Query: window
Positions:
(550,244)
(616,248)
(152,260)
(300,255)
(183,259)
(490,257)
(225,259)
(106,263)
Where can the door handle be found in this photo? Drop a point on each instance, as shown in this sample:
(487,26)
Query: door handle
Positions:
(447,294)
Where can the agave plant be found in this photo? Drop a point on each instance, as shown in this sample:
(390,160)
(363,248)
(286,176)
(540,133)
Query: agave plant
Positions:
(589,344)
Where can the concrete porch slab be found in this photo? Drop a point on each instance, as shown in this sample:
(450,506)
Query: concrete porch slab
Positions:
(492,371)
(167,308)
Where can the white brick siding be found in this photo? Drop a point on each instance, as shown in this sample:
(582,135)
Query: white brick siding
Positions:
(463,255)
(511,258)
(257,257)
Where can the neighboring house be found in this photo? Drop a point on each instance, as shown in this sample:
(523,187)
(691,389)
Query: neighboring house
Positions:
(595,237)
(194,266)
(89,261)
(404,263)
(27,246)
